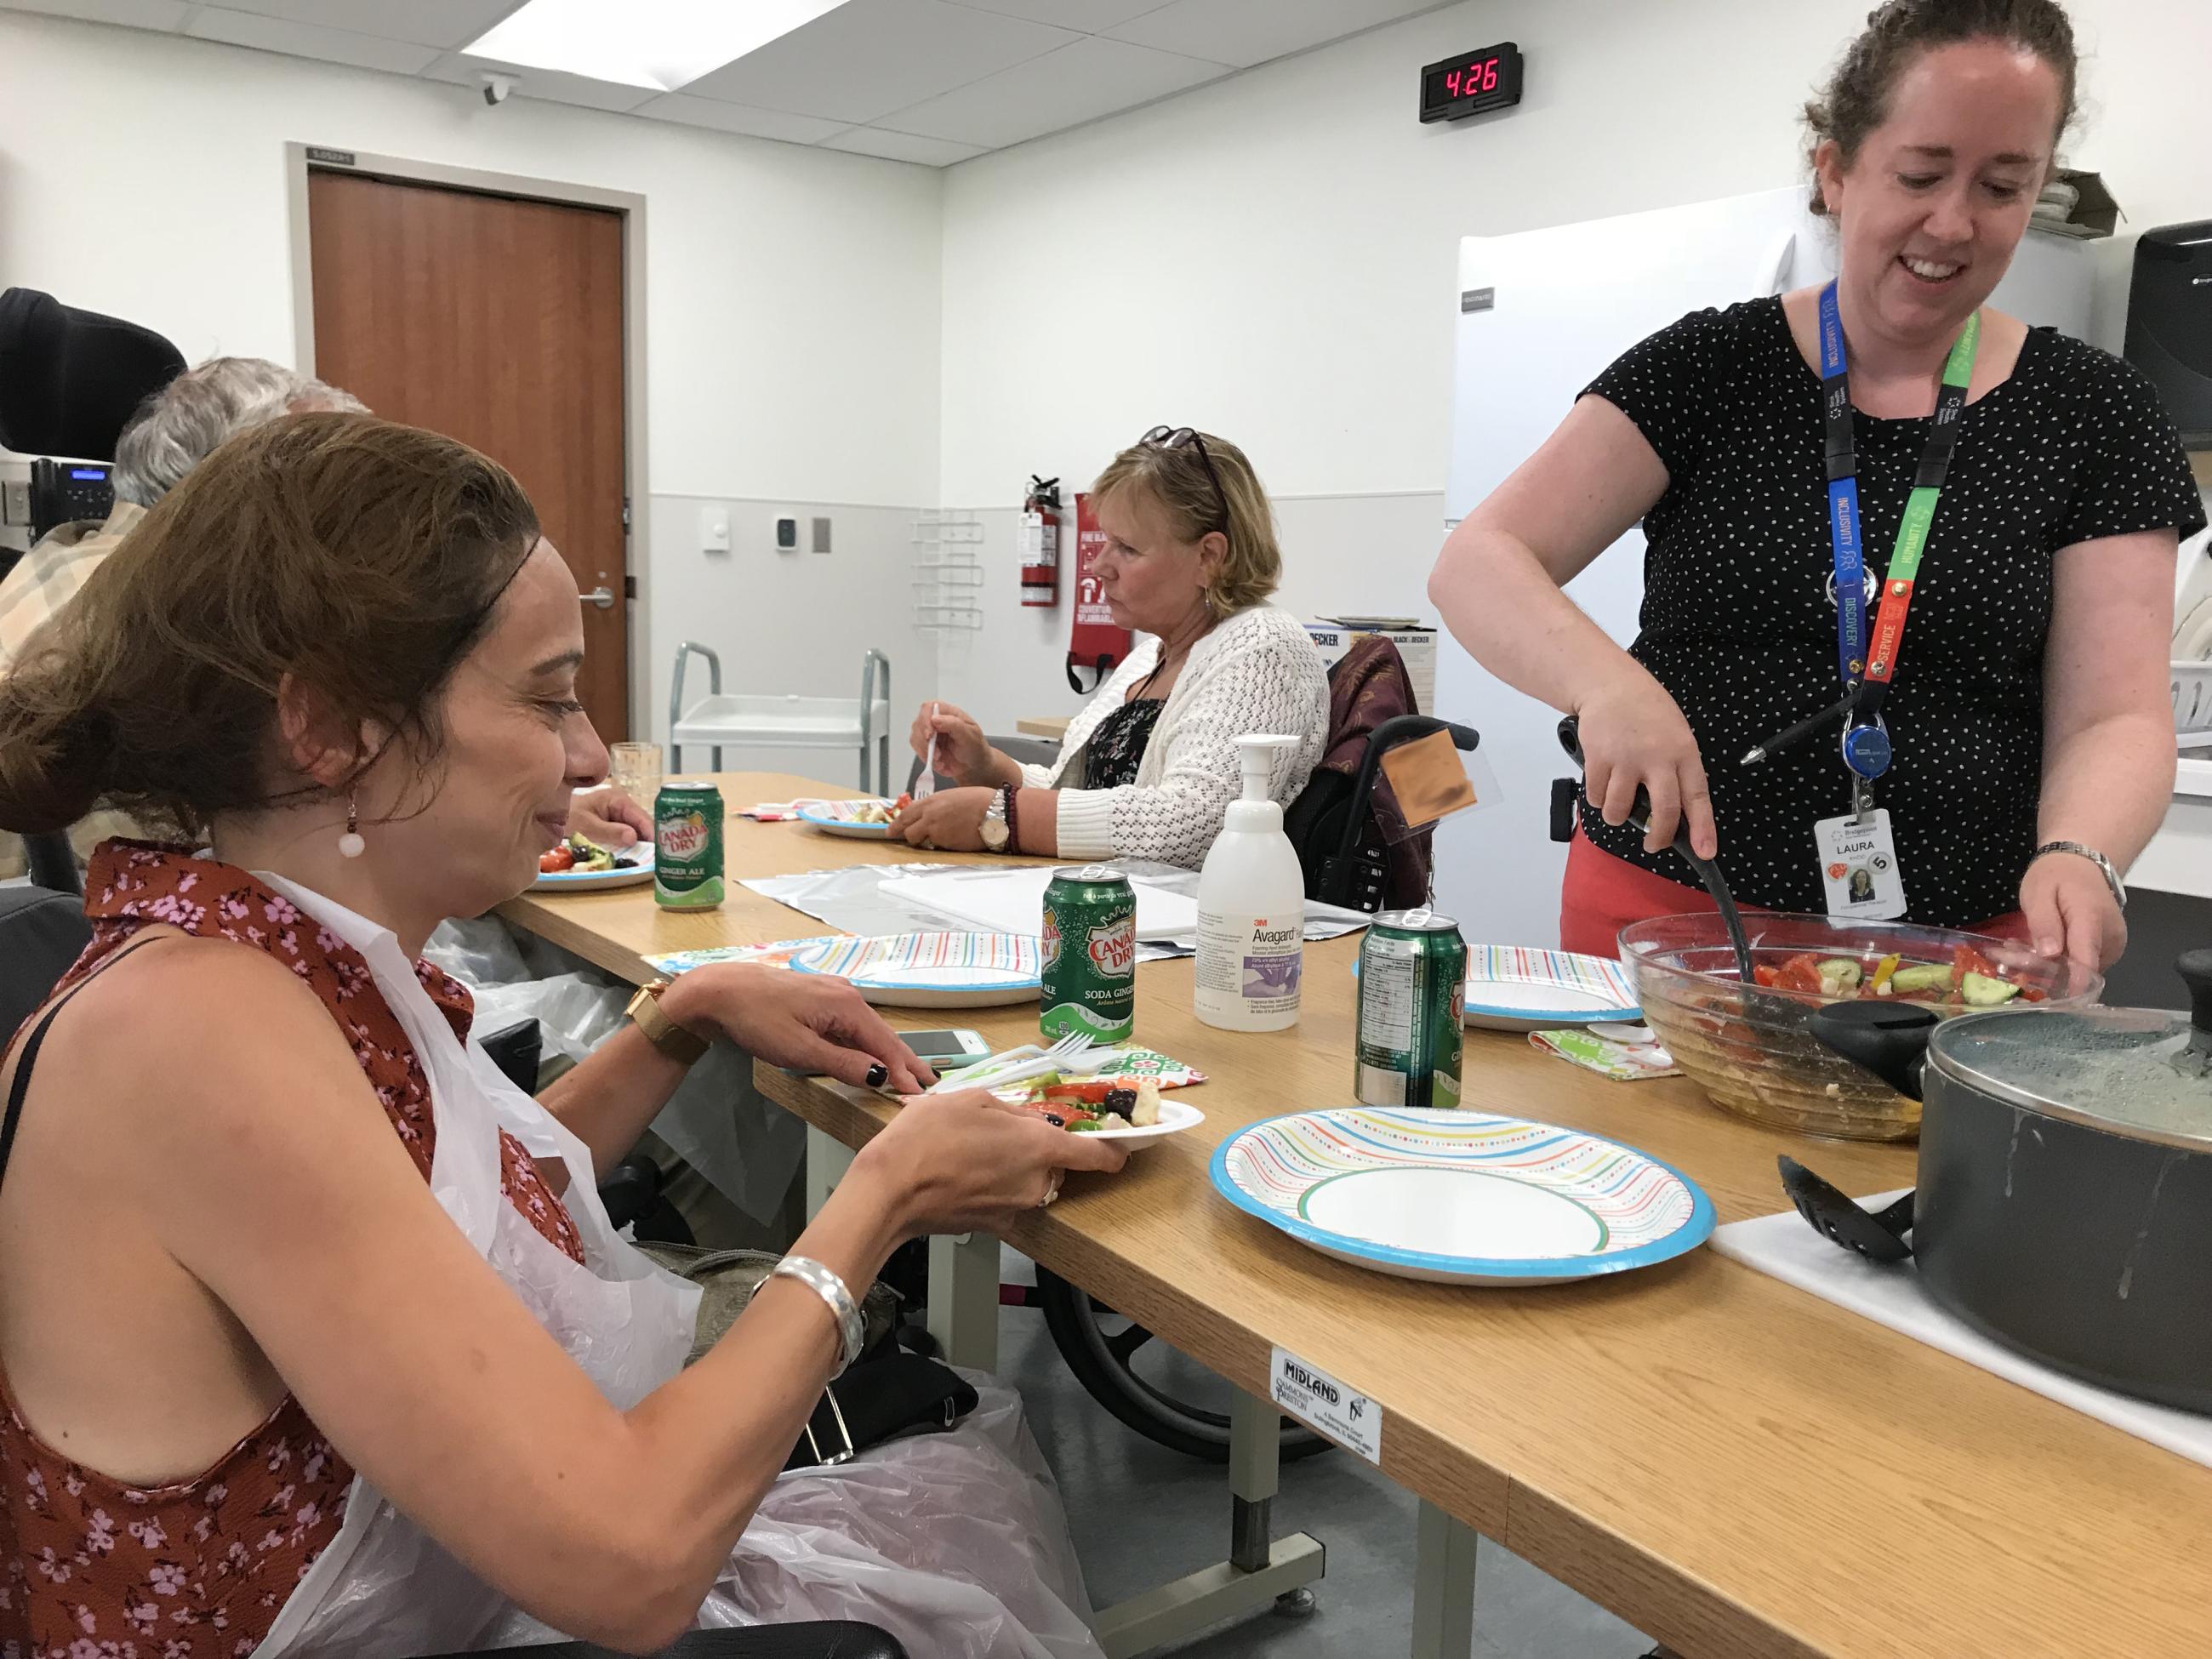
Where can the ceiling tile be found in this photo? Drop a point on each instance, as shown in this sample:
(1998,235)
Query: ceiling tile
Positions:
(871,57)
(442,23)
(902,147)
(246,28)
(1085,17)
(551,84)
(1093,77)
(131,14)
(737,117)
(1248,32)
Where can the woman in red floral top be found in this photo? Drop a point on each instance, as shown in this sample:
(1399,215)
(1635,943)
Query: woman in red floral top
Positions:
(341,653)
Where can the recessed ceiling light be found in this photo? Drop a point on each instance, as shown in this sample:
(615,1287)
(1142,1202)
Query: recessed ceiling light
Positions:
(663,43)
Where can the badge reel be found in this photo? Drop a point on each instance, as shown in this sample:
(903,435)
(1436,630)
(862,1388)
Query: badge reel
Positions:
(1858,852)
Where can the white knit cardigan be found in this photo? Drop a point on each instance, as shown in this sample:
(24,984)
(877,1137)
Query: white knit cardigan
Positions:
(1256,671)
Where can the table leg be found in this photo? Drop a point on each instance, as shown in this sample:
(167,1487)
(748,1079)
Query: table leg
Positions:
(1261,1570)
(963,1298)
(1443,1586)
(1255,1442)
(827,1160)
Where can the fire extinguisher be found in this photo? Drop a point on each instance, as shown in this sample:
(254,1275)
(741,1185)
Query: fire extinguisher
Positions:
(1040,543)
(1094,642)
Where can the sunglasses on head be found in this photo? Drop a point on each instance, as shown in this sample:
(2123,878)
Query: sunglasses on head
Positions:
(1176,437)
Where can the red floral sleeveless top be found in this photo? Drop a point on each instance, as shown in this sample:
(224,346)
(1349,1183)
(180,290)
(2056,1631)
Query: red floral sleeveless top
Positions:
(198,1568)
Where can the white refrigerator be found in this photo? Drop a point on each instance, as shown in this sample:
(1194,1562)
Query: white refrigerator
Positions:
(1539,314)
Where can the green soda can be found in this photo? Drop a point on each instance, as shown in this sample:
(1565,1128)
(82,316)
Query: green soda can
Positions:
(687,845)
(1089,947)
(1412,1000)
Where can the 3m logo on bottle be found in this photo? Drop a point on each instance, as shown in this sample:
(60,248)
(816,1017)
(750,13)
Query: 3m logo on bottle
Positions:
(1114,949)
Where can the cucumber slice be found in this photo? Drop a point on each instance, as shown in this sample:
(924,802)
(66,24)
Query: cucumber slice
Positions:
(1839,975)
(1980,991)
(1922,976)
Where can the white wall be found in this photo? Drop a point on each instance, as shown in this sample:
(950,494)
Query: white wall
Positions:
(1273,258)
(792,294)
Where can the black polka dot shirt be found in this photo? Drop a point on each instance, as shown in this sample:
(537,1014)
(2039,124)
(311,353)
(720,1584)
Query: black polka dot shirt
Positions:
(1738,626)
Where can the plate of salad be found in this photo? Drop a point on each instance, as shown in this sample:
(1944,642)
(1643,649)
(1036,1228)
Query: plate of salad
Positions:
(861,820)
(1112,1108)
(578,865)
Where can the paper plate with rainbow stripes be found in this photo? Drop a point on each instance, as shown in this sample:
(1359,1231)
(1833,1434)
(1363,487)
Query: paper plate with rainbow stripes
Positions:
(1460,1197)
(899,970)
(1510,987)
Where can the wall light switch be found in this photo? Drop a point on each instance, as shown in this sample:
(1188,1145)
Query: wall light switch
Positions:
(787,535)
(715,530)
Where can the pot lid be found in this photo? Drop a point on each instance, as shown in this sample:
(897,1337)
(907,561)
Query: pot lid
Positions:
(2132,1072)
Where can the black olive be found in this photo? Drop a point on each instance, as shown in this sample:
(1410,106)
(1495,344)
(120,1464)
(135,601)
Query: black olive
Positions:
(1057,1122)
(1122,1103)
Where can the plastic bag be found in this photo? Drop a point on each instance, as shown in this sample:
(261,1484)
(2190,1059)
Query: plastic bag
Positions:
(909,1535)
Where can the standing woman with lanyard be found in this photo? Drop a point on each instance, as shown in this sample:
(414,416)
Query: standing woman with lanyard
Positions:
(1813,470)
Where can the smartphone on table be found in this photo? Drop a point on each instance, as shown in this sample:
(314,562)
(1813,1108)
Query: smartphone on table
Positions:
(948,1049)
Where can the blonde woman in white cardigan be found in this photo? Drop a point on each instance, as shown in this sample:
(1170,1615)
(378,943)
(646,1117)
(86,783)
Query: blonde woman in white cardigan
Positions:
(1148,769)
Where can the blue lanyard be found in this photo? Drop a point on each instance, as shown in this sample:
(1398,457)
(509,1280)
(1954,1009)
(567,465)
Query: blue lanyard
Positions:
(1866,744)
(1843,494)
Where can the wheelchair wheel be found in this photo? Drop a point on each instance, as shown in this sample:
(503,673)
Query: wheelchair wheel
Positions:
(1102,1349)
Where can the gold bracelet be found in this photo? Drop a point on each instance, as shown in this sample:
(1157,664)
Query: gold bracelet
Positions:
(683,1046)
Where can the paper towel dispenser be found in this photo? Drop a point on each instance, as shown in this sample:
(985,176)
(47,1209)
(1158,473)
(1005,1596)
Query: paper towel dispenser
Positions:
(2170,323)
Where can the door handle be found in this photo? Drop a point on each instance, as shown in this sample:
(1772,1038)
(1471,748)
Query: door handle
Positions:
(602,596)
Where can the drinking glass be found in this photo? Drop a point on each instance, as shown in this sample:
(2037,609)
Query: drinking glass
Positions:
(635,769)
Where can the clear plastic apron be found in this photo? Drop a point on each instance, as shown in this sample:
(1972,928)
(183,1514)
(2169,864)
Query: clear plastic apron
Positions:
(383,1585)
(955,1543)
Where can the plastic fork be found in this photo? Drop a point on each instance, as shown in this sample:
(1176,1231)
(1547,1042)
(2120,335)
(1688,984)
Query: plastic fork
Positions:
(925,785)
(1070,1049)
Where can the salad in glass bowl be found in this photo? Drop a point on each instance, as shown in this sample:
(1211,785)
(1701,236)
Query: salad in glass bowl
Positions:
(1751,1048)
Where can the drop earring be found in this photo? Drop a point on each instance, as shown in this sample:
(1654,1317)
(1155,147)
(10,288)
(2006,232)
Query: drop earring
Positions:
(350,845)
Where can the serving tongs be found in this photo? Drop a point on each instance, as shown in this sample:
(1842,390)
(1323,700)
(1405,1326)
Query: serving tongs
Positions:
(1639,814)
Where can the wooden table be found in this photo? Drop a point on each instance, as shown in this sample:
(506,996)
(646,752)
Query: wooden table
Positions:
(1039,726)
(1731,1464)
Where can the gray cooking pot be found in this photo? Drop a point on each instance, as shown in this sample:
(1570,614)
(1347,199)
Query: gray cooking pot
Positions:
(2064,1204)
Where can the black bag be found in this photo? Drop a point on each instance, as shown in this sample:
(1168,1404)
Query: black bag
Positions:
(887,1394)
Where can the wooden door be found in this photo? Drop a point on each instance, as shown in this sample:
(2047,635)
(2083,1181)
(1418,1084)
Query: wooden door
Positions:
(499,322)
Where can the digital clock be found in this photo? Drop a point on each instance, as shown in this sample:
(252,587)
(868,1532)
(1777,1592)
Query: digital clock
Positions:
(1471,83)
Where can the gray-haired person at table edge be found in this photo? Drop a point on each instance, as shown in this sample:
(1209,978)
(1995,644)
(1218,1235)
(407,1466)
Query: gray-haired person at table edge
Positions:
(1148,769)
(283,1261)
(168,435)
(2034,744)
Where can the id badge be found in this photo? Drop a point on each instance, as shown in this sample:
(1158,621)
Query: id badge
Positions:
(1858,866)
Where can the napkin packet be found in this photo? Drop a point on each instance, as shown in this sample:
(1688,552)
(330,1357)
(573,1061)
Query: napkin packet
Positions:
(774,812)
(1624,1062)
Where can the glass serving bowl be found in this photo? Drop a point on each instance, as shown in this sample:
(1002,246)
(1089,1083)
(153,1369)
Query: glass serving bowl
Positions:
(1751,1048)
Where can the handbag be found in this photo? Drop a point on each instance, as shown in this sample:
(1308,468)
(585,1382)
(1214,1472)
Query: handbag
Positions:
(885,1395)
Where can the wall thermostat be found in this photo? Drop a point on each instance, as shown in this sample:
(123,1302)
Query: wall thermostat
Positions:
(787,535)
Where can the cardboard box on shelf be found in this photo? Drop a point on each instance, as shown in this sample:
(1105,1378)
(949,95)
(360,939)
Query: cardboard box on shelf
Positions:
(1335,635)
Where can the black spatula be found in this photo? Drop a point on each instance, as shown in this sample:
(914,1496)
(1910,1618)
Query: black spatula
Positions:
(1877,1235)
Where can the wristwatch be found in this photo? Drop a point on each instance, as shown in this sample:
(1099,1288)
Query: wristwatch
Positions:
(2104,866)
(997,829)
(683,1046)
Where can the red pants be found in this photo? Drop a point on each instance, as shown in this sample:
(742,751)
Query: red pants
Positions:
(1603,894)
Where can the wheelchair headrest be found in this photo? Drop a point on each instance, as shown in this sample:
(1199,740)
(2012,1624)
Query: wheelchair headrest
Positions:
(69,379)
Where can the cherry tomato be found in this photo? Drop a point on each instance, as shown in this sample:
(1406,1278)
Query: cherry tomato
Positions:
(563,857)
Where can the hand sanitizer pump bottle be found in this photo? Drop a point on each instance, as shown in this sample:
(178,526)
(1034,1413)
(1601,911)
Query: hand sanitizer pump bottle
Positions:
(1251,907)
